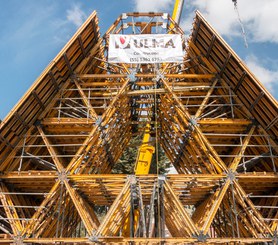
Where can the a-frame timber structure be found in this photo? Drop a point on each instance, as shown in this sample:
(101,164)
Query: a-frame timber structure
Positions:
(215,121)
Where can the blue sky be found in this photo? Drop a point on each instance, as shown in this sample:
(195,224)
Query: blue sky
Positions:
(32,32)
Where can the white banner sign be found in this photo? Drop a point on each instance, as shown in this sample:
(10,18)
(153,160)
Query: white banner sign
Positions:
(147,48)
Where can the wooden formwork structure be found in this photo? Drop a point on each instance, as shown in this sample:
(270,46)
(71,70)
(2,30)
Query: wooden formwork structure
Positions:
(215,121)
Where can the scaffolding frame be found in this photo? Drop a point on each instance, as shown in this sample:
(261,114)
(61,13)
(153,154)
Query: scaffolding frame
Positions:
(216,123)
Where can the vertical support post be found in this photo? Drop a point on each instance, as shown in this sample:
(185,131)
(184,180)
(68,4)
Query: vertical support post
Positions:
(234,208)
(10,210)
(215,206)
(151,211)
(51,150)
(141,206)
(132,207)
(86,100)
(161,207)
(231,217)
(22,153)
(271,154)
(204,102)
(231,101)
(233,166)
(89,219)
(39,215)
(89,102)
(59,208)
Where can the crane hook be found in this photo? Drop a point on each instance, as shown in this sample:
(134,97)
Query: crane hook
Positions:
(235,3)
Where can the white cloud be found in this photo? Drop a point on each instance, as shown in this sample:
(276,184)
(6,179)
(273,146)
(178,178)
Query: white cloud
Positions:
(219,13)
(76,15)
(262,20)
(152,5)
(259,17)
(267,77)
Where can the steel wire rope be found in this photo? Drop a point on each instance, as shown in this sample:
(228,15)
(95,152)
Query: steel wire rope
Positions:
(243,33)
(156,80)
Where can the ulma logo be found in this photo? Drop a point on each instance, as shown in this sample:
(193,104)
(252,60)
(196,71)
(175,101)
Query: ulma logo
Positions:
(125,42)
(122,42)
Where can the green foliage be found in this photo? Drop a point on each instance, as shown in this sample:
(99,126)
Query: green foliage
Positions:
(163,162)
(126,163)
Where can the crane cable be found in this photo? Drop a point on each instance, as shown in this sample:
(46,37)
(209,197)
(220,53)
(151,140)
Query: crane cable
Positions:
(241,24)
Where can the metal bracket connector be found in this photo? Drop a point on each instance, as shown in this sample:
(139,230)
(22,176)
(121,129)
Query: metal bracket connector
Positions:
(63,176)
(124,16)
(275,237)
(193,121)
(165,16)
(132,179)
(94,239)
(18,240)
(164,25)
(231,175)
(125,25)
(161,180)
(98,121)
(159,76)
(162,177)
(131,76)
(201,237)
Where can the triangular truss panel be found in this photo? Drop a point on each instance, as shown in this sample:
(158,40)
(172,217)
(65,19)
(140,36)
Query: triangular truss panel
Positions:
(214,120)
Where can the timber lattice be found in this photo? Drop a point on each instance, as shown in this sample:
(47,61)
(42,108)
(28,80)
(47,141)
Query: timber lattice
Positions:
(215,121)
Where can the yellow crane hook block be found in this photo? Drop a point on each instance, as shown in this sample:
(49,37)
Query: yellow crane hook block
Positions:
(145,154)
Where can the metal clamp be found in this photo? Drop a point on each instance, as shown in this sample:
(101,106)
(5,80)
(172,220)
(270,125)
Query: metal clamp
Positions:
(18,240)
(159,76)
(193,121)
(202,237)
(63,176)
(132,179)
(231,175)
(98,121)
(124,16)
(131,76)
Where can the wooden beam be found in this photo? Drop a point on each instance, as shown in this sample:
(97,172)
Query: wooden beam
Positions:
(68,63)
(158,91)
(85,100)
(51,149)
(219,194)
(53,80)
(197,134)
(240,81)
(224,121)
(139,240)
(89,219)
(38,99)
(10,210)
(180,76)
(204,102)
(81,46)
(183,215)
(39,215)
(225,64)
(81,153)
(36,174)
(256,101)
(210,46)
(259,220)
(119,205)
(233,166)
(51,121)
